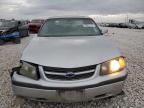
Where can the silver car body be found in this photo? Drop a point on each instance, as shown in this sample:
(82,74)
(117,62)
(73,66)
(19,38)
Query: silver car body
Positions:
(69,52)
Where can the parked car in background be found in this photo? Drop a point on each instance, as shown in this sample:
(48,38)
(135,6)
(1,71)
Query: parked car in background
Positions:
(140,26)
(12,30)
(132,26)
(70,60)
(23,28)
(35,25)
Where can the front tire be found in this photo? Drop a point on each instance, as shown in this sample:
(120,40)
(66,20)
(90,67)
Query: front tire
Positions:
(17,40)
(1,42)
(28,34)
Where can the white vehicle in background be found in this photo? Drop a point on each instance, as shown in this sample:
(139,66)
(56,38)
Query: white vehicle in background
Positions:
(140,26)
(133,24)
(70,60)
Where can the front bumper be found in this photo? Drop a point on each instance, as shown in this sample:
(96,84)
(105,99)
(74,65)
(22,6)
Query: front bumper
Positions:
(69,96)
(58,91)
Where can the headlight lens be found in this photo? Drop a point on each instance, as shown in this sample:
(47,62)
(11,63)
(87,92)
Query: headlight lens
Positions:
(28,70)
(113,66)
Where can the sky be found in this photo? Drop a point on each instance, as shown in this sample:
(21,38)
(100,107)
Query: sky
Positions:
(100,10)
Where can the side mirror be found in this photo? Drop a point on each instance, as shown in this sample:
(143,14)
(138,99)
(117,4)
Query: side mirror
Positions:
(104,31)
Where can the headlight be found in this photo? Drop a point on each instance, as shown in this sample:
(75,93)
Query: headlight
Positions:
(113,66)
(28,70)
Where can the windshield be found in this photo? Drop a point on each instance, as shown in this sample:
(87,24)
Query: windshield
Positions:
(69,27)
(8,24)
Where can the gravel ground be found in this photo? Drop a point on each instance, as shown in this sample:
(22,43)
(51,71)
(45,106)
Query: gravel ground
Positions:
(131,43)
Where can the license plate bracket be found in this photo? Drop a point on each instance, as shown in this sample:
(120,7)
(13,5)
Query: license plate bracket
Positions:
(71,94)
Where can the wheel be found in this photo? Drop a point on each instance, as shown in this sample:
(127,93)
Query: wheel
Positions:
(1,42)
(17,40)
(27,33)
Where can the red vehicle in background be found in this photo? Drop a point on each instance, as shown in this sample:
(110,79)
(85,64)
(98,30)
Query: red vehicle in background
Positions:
(35,25)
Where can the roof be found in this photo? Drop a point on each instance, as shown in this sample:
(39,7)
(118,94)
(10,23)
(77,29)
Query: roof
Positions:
(68,17)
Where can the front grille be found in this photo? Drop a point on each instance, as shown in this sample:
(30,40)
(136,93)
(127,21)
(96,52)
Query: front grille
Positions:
(78,73)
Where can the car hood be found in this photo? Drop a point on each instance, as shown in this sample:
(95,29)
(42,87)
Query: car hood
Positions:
(70,52)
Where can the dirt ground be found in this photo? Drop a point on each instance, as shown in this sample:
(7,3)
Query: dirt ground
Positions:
(131,43)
